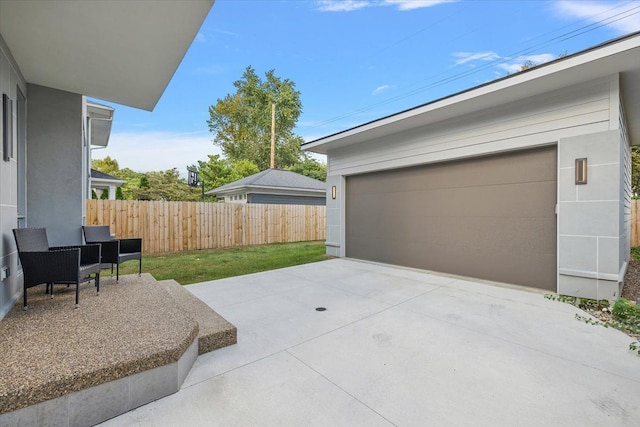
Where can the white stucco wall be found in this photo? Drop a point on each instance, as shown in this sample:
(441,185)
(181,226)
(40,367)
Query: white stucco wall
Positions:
(55,159)
(11,287)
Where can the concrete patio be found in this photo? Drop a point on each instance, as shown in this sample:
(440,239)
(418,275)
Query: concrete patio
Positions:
(398,347)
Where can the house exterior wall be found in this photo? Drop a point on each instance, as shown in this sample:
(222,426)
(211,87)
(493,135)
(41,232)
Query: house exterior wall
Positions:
(283,199)
(11,287)
(236,198)
(55,163)
(562,117)
(591,223)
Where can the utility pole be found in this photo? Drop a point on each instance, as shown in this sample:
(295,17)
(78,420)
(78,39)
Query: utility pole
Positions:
(273,135)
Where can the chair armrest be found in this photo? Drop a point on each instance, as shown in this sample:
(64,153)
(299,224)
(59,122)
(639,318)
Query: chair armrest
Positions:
(51,266)
(89,254)
(128,246)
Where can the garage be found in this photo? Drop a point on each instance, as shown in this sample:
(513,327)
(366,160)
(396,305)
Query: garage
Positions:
(491,217)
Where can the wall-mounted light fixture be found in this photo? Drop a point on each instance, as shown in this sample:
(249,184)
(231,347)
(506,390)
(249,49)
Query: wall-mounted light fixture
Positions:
(333,192)
(581,171)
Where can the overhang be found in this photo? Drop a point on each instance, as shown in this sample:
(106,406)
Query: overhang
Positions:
(100,120)
(120,51)
(617,56)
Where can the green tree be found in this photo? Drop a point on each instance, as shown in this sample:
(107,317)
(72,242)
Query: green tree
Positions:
(310,167)
(241,122)
(218,171)
(119,195)
(106,165)
(165,185)
(104,195)
(635,171)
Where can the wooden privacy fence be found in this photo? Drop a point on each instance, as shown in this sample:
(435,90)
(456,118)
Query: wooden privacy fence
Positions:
(178,226)
(635,223)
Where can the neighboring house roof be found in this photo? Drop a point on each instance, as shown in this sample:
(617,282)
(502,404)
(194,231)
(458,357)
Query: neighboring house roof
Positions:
(620,55)
(273,179)
(125,52)
(105,178)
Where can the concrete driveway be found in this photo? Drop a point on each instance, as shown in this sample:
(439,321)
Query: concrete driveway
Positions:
(398,347)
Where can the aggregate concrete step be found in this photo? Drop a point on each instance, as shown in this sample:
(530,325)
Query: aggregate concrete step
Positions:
(215,331)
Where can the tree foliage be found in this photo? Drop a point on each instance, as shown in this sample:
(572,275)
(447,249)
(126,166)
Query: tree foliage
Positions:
(310,167)
(218,171)
(165,185)
(157,185)
(635,171)
(106,165)
(241,122)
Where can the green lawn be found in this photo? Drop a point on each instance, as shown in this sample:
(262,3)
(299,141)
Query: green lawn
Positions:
(199,266)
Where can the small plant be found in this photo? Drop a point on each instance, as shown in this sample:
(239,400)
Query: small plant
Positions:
(635,253)
(625,311)
(625,315)
(561,298)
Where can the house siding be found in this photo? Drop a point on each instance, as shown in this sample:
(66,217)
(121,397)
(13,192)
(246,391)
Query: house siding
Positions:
(277,199)
(10,288)
(539,120)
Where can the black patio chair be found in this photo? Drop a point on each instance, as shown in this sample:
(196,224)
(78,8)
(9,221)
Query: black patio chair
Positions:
(42,264)
(114,251)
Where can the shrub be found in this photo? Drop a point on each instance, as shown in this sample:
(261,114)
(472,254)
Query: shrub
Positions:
(625,311)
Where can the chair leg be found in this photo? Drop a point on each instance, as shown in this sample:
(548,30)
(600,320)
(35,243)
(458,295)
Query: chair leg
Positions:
(24,298)
(117,272)
(140,268)
(98,283)
(77,292)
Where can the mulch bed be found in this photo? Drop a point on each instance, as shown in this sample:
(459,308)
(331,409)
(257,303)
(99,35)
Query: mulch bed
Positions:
(631,289)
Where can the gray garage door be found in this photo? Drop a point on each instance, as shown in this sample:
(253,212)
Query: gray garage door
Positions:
(490,217)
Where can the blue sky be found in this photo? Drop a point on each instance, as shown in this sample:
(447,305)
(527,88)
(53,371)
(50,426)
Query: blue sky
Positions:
(353,61)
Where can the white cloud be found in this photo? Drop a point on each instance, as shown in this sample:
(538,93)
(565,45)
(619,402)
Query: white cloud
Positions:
(415,4)
(626,19)
(350,5)
(510,65)
(381,89)
(465,57)
(153,151)
(341,5)
(514,65)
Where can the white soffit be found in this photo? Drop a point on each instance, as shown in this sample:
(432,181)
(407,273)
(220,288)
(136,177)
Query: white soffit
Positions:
(619,56)
(121,51)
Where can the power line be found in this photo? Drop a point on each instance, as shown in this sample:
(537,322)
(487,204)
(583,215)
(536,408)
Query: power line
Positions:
(554,40)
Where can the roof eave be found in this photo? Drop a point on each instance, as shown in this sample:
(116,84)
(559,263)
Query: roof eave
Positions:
(124,52)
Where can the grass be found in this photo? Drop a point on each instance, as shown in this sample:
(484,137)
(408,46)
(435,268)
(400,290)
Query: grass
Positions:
(200,266)
(635,253)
